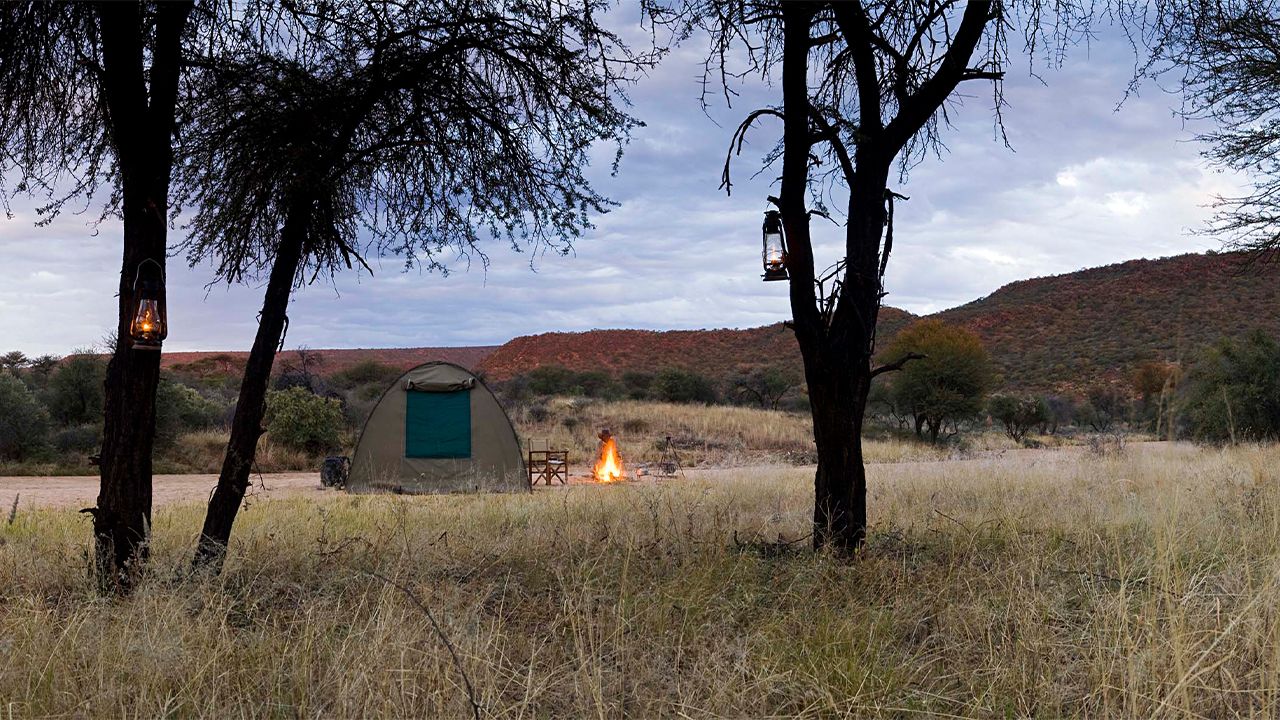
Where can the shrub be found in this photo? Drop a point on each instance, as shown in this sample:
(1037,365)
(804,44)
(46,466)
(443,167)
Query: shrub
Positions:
(1103,407)
(636,426)
(636,385)
(74,393)
(538,413)
(302,421)
(550,380)
(24,423)
(180,410)
(77,439)
(597,384)
(683,386)
(366,372)
(1018,415)
(1233,391)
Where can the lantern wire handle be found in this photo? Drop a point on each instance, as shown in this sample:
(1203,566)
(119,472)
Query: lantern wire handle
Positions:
(138,274)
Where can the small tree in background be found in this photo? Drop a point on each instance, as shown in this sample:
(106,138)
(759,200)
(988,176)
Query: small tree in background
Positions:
(302,421)
(14,360)
(181,409)
(1232,393)
(1153,384)
(1059,410)
(24,424)
(637,385)
(74,392)
(683,386)
(1104,406)
(764,386)
(947,383)
(1018,415)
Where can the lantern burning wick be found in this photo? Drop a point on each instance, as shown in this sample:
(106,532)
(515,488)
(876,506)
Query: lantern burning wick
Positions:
(609,467)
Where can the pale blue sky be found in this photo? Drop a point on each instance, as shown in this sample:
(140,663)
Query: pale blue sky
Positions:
(1084,186)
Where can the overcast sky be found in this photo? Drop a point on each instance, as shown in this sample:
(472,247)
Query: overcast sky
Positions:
(1085,185)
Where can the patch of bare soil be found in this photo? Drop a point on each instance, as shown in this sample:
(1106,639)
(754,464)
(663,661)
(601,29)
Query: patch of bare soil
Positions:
(82,491)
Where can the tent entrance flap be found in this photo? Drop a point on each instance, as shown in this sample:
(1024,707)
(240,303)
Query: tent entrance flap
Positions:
(437,424)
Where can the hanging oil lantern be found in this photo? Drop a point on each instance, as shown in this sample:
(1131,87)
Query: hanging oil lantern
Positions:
(775,247)
(150,322)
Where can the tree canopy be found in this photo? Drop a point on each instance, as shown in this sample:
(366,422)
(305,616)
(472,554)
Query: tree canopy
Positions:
(1232,393)
(948,382)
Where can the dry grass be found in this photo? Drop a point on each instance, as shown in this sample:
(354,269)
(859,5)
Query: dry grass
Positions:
(717,435)
(1034,583)
(203,452)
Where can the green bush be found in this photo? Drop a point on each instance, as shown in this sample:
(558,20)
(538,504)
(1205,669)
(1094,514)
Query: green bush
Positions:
(683,386)
(74,393)
(636,385)
(302,421)
(947,382)
(596,384)
(365,373)
(551,380)
(77,439)
(24,423)
(180,409)
(1233,391)
(1018,415)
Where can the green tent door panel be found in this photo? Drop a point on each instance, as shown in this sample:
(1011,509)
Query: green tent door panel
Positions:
(437,424)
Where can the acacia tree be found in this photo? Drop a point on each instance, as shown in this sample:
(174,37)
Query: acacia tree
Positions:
(865,88)
(948,380)
(1225,54)
(88,98)
(417,129)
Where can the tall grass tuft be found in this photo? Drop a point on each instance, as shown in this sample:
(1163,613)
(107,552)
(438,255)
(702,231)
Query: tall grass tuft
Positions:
(1046,583)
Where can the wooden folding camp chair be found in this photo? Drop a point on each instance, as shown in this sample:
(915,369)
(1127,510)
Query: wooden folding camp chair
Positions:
(546,464)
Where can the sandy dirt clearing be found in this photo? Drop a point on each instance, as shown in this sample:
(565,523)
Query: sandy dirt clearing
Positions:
(82,491)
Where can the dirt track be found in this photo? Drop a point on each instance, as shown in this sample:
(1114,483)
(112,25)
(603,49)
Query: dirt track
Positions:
(82,491)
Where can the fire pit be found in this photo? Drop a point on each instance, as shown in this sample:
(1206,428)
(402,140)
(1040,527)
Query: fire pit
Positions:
(608,468)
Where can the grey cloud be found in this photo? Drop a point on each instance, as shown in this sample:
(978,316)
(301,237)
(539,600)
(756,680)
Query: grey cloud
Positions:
(1084,186)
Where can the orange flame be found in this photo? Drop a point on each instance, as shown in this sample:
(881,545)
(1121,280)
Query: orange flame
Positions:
(609,467)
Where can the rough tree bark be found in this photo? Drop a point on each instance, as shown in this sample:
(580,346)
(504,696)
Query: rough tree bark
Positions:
(141,124)
(837,340)
(246,426)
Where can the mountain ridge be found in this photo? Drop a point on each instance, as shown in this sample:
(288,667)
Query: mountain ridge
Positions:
(1057,333)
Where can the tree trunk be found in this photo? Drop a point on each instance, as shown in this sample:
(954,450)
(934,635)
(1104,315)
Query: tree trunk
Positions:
(140,120)
(840,481)
(836,344)
(246,426)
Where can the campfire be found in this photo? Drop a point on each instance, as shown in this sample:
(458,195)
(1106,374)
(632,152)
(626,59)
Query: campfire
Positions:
(609,467)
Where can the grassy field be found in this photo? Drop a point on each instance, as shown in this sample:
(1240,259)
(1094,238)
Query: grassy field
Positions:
(717,435)
(1029,583)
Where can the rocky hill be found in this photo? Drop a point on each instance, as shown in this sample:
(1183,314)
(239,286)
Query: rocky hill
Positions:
(714,353)
(1049,334)
(330,361)
(1057,333)
(1066,331)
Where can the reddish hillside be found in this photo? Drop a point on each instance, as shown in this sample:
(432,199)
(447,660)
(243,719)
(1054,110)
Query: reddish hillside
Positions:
(1066,331)
(332,361)
(710,352)
(1057,333)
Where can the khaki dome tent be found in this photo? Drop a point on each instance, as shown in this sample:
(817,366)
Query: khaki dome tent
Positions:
(438,429)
